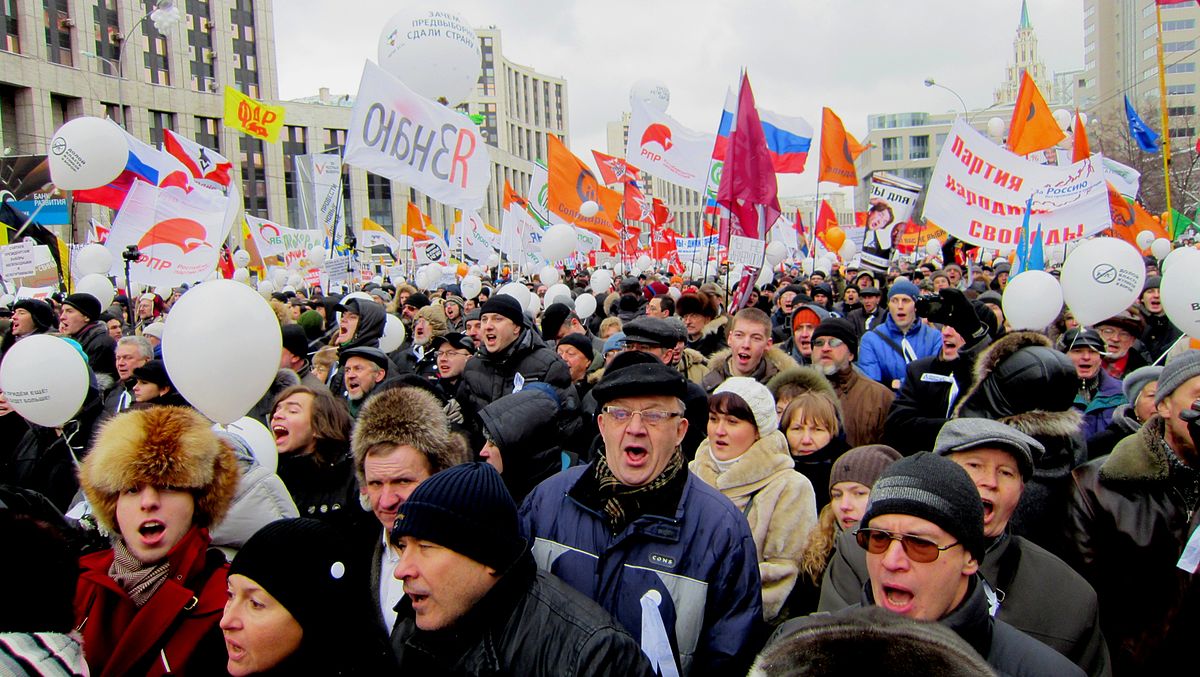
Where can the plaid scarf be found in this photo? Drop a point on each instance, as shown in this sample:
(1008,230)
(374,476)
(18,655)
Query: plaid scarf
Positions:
(621,503)
(139,581)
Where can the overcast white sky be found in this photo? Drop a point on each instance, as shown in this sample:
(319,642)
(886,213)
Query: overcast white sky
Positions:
(856,56)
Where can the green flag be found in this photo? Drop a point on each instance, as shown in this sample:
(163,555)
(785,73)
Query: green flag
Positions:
(1180,224)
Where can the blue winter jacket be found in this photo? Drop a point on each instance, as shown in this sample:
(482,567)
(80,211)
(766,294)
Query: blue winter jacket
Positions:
(1098,412)
(700,567)
(881,362)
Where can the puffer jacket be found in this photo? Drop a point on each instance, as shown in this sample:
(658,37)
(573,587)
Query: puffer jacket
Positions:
(101,351)
(261,498)
(879,360)
(773,361)
(1041,595)
(490,376)
(522,427)
(698,566)
(1128,521)
(1023,382)
(1098,409)
(777,502)
(530,624)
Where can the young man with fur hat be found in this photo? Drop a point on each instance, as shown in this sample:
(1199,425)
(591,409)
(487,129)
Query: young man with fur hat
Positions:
(79,319)
(885,351)
(667,555)
(1130,515)
(401,438)
(1028,587)
(750,353)
(157,479)
(475,602)
(924,539)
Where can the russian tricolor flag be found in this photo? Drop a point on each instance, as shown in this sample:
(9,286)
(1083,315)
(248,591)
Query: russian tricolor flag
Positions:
(788,138)
(144,163)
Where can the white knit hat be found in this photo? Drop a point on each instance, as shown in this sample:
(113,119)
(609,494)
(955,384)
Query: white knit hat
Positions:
(757,397)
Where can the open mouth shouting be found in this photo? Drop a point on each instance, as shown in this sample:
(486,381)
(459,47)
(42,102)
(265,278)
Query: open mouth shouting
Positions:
(151,532)
(896,598)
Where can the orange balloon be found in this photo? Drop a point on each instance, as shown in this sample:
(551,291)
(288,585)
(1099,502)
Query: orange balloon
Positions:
(462,269)
(835,237)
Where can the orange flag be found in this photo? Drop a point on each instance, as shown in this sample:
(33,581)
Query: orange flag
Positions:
(1033,127)
(839,150)
(510,196)
(1083,150)
(1129,219)
(825,220)
(414,225)
(570,183)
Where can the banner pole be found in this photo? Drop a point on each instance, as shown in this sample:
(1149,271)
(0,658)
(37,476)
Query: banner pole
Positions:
(1166,130)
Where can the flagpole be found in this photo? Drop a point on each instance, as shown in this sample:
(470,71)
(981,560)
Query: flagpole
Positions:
(1166,130)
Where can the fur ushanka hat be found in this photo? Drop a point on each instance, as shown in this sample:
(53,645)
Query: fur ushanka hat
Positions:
(163,447)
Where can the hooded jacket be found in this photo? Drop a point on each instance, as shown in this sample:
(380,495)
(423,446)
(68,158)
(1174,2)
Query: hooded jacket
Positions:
(711,339)
(522,427)
(371,320)
(1128,521)
(1021,381)
(879,360)
(777,502)
(773,361)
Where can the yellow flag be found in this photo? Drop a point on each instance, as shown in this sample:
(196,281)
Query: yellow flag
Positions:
(252,117)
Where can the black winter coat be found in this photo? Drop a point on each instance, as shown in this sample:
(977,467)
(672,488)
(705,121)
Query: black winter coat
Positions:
(923,404)
(530,624)
(101,351)
(1160,333)
(371,318)
(42,460)
(320,489)
(522,427)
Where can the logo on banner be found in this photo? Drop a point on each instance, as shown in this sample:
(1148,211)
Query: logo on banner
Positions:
(657,133)
(433,251)
(186,234)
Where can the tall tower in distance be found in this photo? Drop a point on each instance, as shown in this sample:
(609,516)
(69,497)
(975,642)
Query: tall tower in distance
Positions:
(1025,59)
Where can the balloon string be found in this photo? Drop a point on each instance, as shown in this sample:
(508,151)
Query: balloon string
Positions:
(1168,350)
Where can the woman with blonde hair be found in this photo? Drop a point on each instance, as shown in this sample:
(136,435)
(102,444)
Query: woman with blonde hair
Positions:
(745,457)
(812,425)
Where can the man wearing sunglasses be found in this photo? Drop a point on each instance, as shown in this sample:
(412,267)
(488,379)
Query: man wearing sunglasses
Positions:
(865,402)
(667,555)
(924,537)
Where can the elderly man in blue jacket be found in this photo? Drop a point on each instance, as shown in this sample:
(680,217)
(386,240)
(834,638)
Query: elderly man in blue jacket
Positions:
(886,351)
(667,555)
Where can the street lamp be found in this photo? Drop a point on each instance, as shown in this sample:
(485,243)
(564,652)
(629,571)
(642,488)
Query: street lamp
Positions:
(164,15)
(929,82)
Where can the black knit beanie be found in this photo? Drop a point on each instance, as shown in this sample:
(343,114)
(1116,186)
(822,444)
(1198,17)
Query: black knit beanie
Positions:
(467,509)
(307,566)
(85,303)
(40,311)
(506,306)
(933,488)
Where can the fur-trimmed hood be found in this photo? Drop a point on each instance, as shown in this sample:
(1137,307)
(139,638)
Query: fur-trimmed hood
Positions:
(162,447)
(406,415)
(714,326)
(1021,376)
(774,361)
(803,378)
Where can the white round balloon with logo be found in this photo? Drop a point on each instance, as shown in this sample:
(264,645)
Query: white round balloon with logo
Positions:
(433,51)
(87,152)
(1102,277)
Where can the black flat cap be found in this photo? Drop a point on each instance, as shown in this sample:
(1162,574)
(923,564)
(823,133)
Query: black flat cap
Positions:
(640,380)
(654,331)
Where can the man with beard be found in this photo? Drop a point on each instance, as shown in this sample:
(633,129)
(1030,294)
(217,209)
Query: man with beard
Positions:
(79,320)
(864,402)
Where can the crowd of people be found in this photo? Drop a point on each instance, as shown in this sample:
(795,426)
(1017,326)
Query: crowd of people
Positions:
(853,471)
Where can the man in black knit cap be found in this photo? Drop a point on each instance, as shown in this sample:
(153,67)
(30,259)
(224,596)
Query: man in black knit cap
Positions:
(79,320)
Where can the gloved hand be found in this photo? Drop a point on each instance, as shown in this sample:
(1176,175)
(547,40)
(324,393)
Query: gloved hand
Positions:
(956,311)
(1192,417)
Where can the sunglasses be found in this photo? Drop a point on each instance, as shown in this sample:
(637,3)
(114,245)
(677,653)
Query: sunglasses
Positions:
(919,550)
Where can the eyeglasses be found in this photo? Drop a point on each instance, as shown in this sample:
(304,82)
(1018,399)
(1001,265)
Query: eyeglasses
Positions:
(457,353)
(649,416)
(1113,332)
(831,342)
(919,550)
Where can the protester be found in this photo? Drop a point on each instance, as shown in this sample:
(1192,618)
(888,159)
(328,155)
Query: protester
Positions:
(521,443)
(1129,516)
(1123,348)
(1160,333)
(475,603)
(872,314)
(360,326)
(292,607)
(864,402)
(29,317)
(152,386)
(1139,388)
(79,320)
(131,352)
(923,533)
(362,370)
(701,317)
(1099,393)
(750,352)
(603,528)
(745,457)
(156,480)
(294,355)
(885,351)
(662,338)
(804,321)
(812,425)
(312,432)
(451,351)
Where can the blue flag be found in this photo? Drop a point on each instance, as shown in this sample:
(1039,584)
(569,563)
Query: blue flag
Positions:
(1037,257)
(1020,265)
(1146,139)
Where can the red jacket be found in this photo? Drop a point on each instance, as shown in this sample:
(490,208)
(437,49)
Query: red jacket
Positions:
(180,620)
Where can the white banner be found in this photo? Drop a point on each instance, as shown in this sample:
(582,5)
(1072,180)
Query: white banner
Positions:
(265,235)
(517,223)
(178,235)
(327,195)
(398,134)
(477,241)
(689,246)
(293,243)
(662,147)
(1124,178)
(900,194)
(978,192)
(431,251)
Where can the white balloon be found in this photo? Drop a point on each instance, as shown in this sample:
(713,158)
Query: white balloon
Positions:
(471,285)
(589,209)
(995,127)
(653,92)
(266,287)
(257,437)
(429,276)
(7,300)
(396,275)
(226,324)
(1102,277)
(518,291)
(776,252)
(241,258)
(45,379)
(1032,300)
(362,295)
(1178,255)
(287,289)
(493,260)
(549,275)
(241,275)
(87,152)
(93,258)
(1161,248)
(533,305)
(393,334)
(848,250)
(559,242)
(1179,290)
(557,290)
(378,279)
(644,263)
(99,286)
(316,256)
(585,305)
(1145,239)
(1063,117)
(933,247)
(279,276)
(294,280)
(432,50)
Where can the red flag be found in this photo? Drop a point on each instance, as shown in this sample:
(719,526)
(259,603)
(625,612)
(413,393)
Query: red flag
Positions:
(636,206)
(798,224)
(615,169)
(1081,149)
(826,219)
(225,262)
(661,215)
(748,186)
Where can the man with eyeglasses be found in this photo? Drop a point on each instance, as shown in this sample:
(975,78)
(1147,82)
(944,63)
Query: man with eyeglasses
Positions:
(1026,586)
(923,533)
(452,351)
(664,553)
(865,402)
(1121,334)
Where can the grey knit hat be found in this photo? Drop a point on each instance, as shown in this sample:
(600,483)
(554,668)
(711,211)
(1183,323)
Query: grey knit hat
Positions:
(862,464)
(932,488)
(964,434)
(1176,373)
(1136,381)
